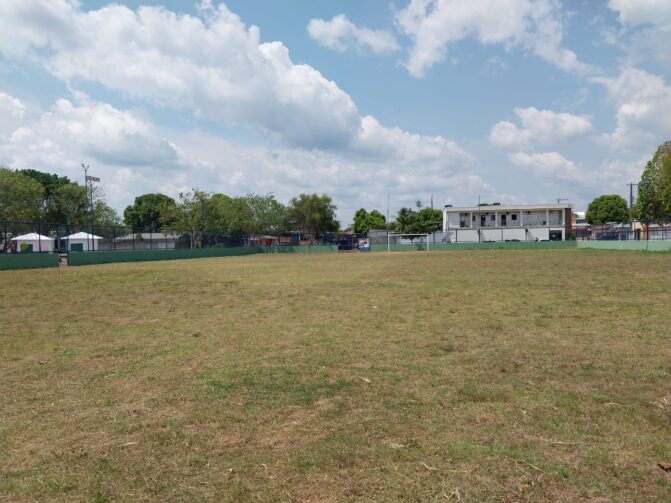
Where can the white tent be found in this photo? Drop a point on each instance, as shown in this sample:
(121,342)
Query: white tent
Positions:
(35,242)
(82,241)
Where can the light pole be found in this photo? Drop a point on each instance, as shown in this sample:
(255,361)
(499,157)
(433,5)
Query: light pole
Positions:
(88,186)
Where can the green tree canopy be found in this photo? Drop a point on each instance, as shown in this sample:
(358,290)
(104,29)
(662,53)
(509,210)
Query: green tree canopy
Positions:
(427,221)
(654,188)
(405,220)
(145,212)
(68,204)
(364,221)
(21,197)
(607,208)
(313,214)
(267,215)
(188,214)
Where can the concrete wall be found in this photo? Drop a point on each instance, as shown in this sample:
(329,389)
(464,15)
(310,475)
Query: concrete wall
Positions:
(538,233)
(467,235)
(654,245)
(28,261)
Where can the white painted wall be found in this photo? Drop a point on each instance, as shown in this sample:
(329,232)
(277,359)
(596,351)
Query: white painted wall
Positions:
(539,233)
(92,244)
(467,236)
(47,245)
(518,233)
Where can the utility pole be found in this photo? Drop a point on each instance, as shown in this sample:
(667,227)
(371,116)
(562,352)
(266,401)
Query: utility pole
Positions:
(631,206)
(433,226)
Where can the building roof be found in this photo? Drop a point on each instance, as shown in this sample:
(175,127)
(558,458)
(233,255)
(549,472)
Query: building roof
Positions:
(505,207)
(32,236)
(82,235)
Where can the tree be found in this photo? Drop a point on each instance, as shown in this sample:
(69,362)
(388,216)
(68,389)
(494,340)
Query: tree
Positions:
(21,197)
(145,212)
(405,220)
(607,208)
(427,221)
(188,215)
(312,214)
(68,204)
(654,188)
(364,221)
(266,214)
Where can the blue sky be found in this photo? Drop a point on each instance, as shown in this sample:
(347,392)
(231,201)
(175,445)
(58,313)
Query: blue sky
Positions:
(517,101)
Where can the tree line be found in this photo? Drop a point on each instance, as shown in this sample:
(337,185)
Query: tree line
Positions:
(654,195)
(28,195)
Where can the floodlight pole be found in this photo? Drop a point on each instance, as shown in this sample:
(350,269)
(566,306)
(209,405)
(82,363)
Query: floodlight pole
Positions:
(88,185)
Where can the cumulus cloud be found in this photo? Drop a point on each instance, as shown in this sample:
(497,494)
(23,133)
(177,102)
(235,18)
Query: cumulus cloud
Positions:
(548,164)
(116,142)
(648,23)
(133,156)
(11,106)
(644,107)
(340,34)
(434,25)
(545,126)
(215,65)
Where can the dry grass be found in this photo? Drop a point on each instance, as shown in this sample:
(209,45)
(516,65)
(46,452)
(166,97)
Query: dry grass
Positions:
(461,376)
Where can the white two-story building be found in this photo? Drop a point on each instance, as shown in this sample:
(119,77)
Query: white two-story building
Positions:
(494,222)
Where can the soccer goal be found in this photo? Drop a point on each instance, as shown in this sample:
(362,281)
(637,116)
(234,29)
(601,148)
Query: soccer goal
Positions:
(420,240)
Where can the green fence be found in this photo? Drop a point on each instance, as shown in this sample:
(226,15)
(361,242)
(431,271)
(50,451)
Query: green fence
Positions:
(301,249)
(109,257)
(631,245)
(531,245)
(28,261)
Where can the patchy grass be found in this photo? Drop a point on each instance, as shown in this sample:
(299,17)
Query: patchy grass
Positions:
(476,375)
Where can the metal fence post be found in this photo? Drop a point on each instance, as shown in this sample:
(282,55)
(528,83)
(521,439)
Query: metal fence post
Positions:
(4,246)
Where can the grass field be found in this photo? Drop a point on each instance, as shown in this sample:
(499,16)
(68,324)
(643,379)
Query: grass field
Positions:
(461,376)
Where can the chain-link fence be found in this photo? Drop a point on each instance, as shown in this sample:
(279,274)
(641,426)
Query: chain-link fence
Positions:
(26,237)
(653,230)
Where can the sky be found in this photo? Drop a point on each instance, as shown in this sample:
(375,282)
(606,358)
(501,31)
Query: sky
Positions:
(514,101)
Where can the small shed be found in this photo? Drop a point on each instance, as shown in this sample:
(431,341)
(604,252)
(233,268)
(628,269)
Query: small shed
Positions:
(33,243)
(81,241)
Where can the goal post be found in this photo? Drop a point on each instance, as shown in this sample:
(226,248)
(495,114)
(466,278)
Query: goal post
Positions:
(395,238)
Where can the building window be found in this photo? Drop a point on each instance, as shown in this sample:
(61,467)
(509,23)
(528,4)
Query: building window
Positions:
(514,216)
(493,219)
(463,219)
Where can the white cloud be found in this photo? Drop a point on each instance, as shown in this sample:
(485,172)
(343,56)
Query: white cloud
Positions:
(636,12)
(544,126)
(551,164)
(433,25)
(133,156)
(11,106)
(12,114)
(341,34)
(116,143)
(644,107)
(648,28)
(215,66)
